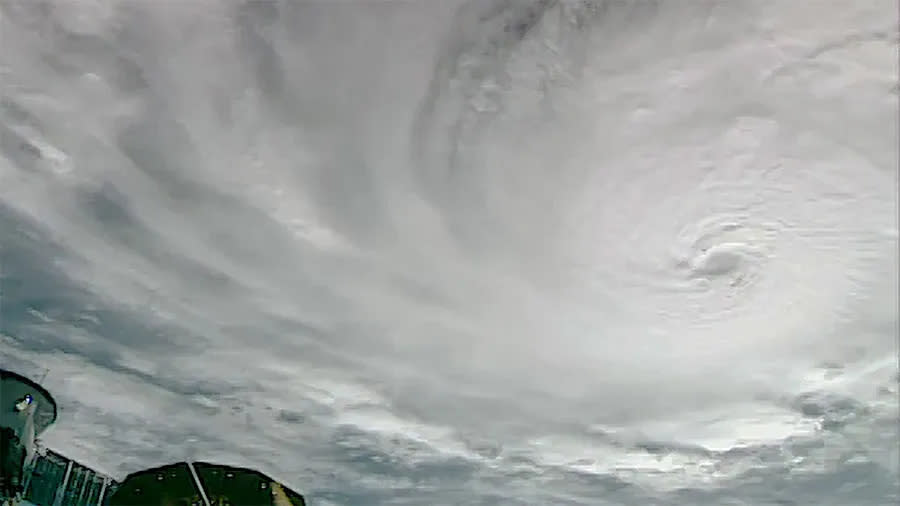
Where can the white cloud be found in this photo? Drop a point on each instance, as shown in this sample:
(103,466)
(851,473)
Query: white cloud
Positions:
(430,248)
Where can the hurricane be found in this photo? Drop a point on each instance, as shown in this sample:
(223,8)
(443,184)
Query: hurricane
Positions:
(523,252)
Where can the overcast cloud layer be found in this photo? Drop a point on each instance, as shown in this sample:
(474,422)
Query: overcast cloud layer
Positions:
(431,253)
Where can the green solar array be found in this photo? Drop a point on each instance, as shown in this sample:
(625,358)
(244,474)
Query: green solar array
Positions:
(54,480)
(48,485)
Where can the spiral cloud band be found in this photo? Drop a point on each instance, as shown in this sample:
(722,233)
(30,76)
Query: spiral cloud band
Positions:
(697,198)
(516,252)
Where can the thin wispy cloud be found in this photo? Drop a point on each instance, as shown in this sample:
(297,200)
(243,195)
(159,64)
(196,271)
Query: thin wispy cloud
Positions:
(493,252)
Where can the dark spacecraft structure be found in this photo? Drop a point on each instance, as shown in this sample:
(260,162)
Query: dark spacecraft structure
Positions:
(202,483)
(31,475)
(28,410)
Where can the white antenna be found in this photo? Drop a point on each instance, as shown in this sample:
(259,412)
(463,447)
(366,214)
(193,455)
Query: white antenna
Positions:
(198,483)
(190,452)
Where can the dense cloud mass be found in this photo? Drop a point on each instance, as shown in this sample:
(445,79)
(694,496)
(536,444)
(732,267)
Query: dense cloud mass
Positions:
(489,252)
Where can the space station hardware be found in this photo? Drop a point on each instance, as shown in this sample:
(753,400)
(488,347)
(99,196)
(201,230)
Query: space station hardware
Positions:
(33,476)
(203,484)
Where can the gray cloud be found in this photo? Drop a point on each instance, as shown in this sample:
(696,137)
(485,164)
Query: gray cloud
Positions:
(459,252)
